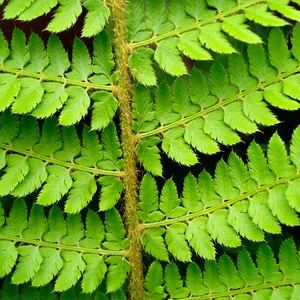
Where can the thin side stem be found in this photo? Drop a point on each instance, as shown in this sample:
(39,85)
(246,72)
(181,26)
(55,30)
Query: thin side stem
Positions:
(123,93)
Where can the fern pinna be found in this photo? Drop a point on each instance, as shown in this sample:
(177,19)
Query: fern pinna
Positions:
(87,210)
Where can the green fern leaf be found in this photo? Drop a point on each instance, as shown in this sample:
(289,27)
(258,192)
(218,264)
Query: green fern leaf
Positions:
(275,96)
(295,42)
(208,195)
(57,184)
(289,264)
(37,9)
(221,5)
(239,73)
(50,266)
(294,148)
(189,44)
(280,207)
(240,220)
(70,145)
(197,138)
(260,15)
(103,62)
(96,18)
(219,229)
(256,110)
(58,57)
(91,149)
(198,83)
(65,16)
(199,9)
(176,242)
(163,105)
(148,197)
(267,265)
(14,8)
(261,214)
(223,185)
(143,110)
(283,8)
(111,149)
(83,189)
(9,90)
(38,56)
(75,230)
(177,14)
(234,26)
(29,262)
(259,64)
(154,282)
(157,20)
(110,193)
(217,129)
(291,86)
(181,100)
(194,280)
(8,258)
(19,55)
(247,269)
(117,273)
(280,56)
(104,109)
(75,107)
(141,66)
(199,239)
(94,232)
(292,194)
(16,170)
(219,81)
(169,202)
(30,95)
(191,195)
(228,274)
(115,231)
(81,62)
(29,133)
(53,99)
(211,277)
(4,50)
(57,226)
(258,167)
(174,284)
(278,159)
(237,120)
(213,39)
(50,141)
(168,57)
(70,272)
(154,244)
(175,147)
(148,155)
(94,272)
(37,224)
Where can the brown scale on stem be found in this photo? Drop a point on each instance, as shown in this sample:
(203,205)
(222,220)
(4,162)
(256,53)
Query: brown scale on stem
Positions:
(123,93)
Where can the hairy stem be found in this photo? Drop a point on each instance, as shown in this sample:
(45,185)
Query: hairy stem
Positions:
(123,93)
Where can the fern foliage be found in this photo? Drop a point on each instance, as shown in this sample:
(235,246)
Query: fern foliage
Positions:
(89,205)
(42,82)
(233,100)
(240,201)
(192,28)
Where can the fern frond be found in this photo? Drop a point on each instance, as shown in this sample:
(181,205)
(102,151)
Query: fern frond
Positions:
(231,101)
(271,279)
(192,27)
(38,249)
(65,16)
(56,164)
(240,201)
(42,82)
